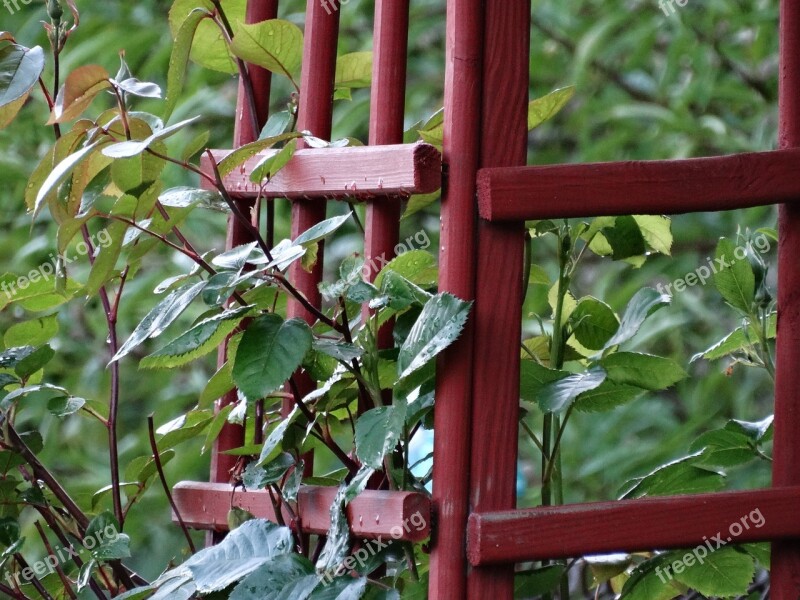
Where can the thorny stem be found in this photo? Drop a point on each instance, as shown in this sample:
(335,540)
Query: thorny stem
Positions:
(160,468)
(113,404)
(33,579)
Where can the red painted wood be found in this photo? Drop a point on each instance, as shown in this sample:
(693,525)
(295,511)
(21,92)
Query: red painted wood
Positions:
(371,514)
(387,111)
(232,436)
(315,115)
(358,173)
(498,308)
(457,252)
(785,572)
(632,525)
(639,187)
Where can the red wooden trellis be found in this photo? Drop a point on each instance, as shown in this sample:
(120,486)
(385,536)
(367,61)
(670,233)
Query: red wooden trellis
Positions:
(478,534)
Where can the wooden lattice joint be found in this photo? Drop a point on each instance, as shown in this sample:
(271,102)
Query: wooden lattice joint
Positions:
(354,173)
(397,515)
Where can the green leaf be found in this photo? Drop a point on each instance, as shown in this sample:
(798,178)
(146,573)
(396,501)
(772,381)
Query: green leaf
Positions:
(724,448)
(60,173)
(556,396)
(593,323)
(276,45)
(724,573)
(418,266)
(546,107)
(642,370)
(644,303)
(129,149)
(142,468)
(734,278)
(160,317)
(35,361)
(657,232)
(32,333)
(270,351)
(243,550)
(625,238)
(354,70)
(9,112)
(271,165)
(201,339)
(537,581)
(533,378)
(678,477)
(258,477)
(321,230)
(648,582)
(185,197)
(275,438)
(104,540)
(438,325)
(65,406)
(106,259)
(289,576)
(606,396)
(377,432)
(241,155)
(179,59)
(342,588)
(20,69)
(210,47)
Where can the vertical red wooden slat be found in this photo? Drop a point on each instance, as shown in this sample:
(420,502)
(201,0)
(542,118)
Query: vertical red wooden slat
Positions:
(498,307)
(785,572)
(457,254)
(315,115)
(232,436)
(387,110)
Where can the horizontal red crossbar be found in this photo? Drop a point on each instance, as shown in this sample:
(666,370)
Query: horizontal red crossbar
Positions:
(639,187)
(402,515)
(632,525)
(357,173)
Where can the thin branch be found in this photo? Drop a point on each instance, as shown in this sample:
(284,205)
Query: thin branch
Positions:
(60,571)
(160,468)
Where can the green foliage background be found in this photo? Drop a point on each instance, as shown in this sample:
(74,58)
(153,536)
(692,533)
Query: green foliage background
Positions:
(700,82)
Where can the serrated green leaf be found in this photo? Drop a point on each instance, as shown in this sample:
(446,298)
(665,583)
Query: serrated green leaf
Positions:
(288,576)
(201,339)
(556,396)
(243,550)
(160,317)
(271,165)
(439,324)
(377,432)
(593,323)
(734,278)
(657,232)
(270,351)
(209,47)
(644,303)
(418,266)
(606,396)
(642,370)
(724,573)
(321,230)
